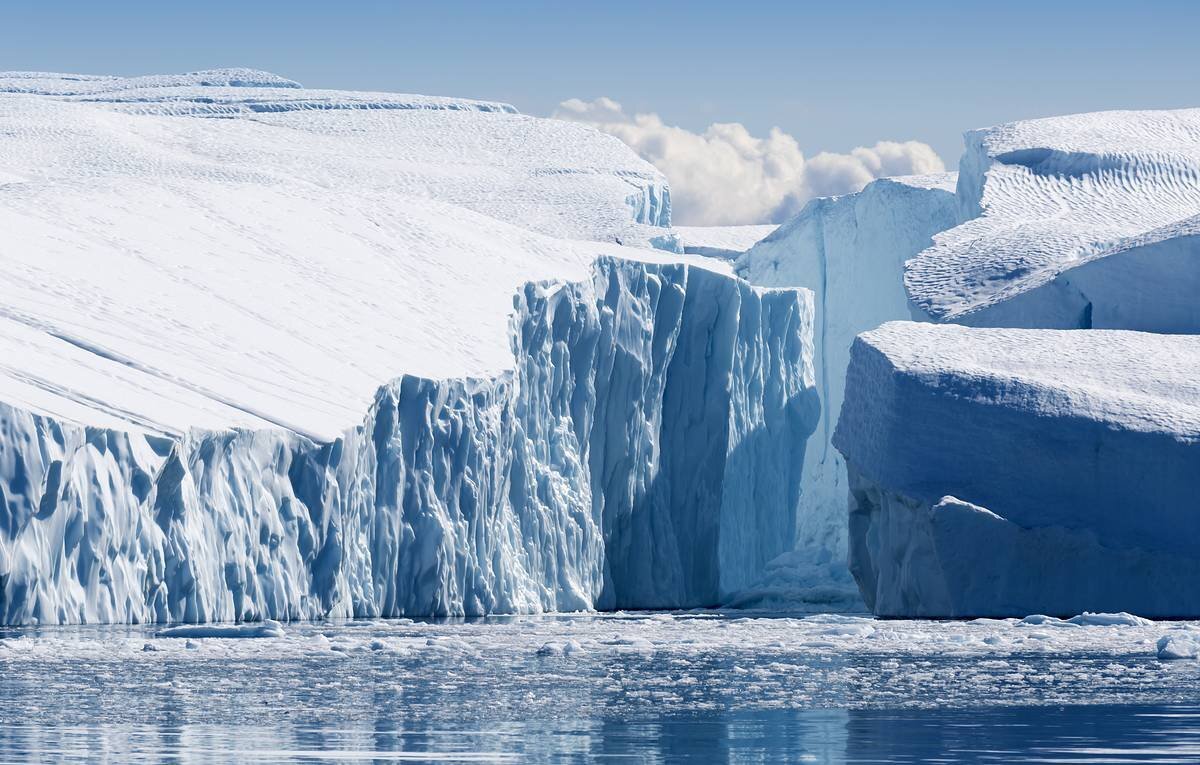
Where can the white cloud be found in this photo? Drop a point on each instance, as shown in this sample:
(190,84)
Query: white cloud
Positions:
(726,176)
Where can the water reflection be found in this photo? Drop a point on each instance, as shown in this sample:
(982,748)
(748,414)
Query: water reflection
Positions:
(1084,734)
(708,691)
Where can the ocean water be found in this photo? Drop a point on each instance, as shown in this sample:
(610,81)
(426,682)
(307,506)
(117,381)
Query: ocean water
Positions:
(703,687)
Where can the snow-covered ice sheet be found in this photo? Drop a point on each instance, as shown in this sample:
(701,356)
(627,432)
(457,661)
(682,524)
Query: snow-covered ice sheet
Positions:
(850,252)
(1002,471)
(1087,220)
(275,352)
(168,268)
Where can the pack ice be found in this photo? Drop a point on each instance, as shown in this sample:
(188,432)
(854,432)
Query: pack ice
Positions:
(271,352)
(1008,471)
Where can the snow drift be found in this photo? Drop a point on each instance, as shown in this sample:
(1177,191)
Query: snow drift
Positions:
(1083,221)
(262,359)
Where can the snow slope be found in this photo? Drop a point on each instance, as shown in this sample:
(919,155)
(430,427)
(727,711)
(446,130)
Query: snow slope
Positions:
(850,251)
(1082,221)
(1007,471)
(262,358)
(241,258)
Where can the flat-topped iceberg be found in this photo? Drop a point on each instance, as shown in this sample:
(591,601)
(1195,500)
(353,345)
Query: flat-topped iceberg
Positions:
(281,353)
(1006,472)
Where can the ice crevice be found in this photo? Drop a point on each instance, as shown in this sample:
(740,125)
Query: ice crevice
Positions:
(644,450)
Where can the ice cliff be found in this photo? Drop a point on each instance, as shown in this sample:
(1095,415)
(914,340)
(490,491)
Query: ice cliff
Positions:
(263,359)
(850,252)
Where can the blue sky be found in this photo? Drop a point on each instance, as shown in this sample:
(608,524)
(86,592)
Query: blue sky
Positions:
(834,75)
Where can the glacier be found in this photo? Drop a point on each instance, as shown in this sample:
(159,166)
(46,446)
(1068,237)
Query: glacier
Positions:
(850,251)
(276,353)
(1008,471)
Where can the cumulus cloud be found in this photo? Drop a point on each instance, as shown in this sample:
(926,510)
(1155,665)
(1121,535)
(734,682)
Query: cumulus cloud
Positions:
(727,176)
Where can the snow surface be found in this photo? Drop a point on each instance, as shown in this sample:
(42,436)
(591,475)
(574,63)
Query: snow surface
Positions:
(275,267)
(1082,221)
(721,241)
(333,275)
(850,251)
(1002,471)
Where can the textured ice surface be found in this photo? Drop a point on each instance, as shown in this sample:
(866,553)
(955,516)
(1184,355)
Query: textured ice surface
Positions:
(1088,220)
(644,452)
(850,252)
(1001,471)
(273,352)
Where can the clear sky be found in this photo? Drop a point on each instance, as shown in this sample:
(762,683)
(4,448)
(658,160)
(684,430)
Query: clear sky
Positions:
(834,75)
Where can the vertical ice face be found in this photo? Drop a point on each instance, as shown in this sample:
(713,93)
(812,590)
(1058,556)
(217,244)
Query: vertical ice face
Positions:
(644,452)
(1010,471)
(1005,472)
(850,251)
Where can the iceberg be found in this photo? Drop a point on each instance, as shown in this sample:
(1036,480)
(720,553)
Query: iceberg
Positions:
(1088,221)
(1000,472)
(850,251)
(277,353)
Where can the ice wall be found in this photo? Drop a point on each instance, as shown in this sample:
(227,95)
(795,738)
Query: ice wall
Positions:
(1006,472)
(850,252)
(643,452)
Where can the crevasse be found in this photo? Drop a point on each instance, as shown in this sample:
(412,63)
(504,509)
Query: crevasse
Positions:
(644,451)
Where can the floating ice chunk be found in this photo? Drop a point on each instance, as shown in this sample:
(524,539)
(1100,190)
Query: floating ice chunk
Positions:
(267,628)
(1121,619)
(551,649)
(1041,620)
(1174,647)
